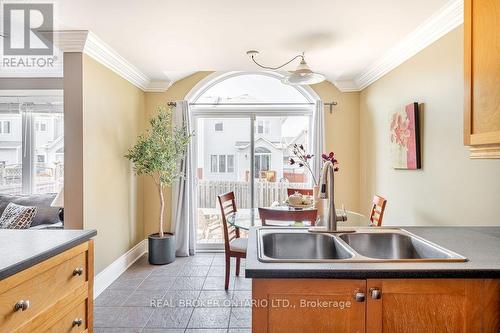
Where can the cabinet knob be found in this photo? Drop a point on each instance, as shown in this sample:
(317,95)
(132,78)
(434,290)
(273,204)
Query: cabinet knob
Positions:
(359,297)
(22,305)
(77,322)
(375,293)
(78,271)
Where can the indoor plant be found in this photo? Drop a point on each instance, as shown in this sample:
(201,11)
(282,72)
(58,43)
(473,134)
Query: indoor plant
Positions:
(158,154)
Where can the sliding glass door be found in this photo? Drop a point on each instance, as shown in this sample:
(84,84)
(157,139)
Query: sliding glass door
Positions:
(274,139)
(223,164)
(248,155)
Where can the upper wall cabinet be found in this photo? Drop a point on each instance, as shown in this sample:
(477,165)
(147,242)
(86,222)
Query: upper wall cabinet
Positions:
(482,78)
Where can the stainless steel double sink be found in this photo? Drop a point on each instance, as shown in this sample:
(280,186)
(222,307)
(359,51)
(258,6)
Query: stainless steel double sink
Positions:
(281,244)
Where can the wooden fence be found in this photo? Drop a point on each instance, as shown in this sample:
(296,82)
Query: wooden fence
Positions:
(265,192)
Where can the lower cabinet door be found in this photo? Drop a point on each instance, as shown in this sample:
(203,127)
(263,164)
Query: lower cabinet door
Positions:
(308,305)
(75,321)
(432,305)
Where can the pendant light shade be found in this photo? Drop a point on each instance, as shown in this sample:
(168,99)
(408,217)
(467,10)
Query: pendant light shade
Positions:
(303,75)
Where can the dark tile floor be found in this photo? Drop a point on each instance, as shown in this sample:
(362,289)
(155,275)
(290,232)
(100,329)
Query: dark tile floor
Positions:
(185,296)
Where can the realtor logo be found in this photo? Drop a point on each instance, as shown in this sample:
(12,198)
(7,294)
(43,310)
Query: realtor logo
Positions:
(28,29)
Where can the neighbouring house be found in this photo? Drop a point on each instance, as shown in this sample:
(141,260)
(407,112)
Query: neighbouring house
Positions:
(39,125)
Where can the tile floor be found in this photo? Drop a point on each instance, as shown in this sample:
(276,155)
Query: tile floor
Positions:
(185,296)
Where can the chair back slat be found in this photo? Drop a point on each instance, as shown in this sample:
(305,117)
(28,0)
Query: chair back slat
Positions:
(227,205)
(303,191)
(267,214)
(378,208)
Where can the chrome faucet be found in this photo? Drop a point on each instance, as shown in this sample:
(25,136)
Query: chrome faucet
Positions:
(326,192)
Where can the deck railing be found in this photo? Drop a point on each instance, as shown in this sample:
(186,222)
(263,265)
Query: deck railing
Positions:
(265,192)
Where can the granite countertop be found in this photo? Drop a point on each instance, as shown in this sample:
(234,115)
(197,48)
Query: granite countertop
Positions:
(21,249)
(481,245)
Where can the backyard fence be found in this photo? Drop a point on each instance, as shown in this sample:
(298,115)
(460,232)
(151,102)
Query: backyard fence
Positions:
(47,179)
(265,192)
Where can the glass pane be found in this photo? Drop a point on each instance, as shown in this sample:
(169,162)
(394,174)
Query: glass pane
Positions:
(223,165)
(10,146)
(31,142)
(230,163)
(49,150)
(251,88)
(273,149)
(213,159)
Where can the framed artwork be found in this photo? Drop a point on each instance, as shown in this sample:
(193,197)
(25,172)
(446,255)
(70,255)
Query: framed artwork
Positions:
(405,138)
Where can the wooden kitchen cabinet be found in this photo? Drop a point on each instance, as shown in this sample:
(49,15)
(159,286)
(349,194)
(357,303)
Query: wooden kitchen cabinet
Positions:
(433,305)
(55,295)
(308,305)
(389,306)
(482,78)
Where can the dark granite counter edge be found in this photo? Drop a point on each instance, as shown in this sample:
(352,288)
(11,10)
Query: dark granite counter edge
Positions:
(22,265)
(259,270)
(372,274)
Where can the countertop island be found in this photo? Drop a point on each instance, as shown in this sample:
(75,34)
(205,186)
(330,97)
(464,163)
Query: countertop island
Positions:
(418,296)
(481,246)
(22,249)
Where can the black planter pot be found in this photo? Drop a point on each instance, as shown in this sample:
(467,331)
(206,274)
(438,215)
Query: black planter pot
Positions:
(161,249)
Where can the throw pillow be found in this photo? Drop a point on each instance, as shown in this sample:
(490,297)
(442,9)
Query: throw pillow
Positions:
(17,217)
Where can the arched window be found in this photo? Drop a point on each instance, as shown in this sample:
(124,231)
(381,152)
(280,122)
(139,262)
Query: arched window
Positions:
(246,124)
(251,88)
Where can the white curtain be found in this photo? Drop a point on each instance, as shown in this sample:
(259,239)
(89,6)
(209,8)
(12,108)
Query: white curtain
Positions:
(318,137)
(183,192)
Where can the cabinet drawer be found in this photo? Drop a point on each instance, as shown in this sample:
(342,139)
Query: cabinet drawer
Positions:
(75,321)
(41,286)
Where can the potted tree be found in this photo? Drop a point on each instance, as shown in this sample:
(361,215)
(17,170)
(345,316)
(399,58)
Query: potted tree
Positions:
(158,153)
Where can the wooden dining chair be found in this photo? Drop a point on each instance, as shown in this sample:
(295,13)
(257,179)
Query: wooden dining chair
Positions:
(269,214)
(303,191)
(234,246)
(377,213)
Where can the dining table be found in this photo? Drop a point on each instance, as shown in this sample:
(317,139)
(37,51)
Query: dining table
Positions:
(247,217)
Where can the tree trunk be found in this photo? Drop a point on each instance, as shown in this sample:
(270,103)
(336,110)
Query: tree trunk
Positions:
(162,204)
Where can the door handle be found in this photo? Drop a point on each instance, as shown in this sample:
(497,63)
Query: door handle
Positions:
(375,293)
(359,297)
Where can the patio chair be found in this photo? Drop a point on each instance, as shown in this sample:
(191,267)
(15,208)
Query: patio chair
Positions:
(234,246)
(269,214)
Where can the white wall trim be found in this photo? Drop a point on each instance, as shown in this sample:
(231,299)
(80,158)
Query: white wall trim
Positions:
(104,54)
(439,24)
(117,267)
(346,85)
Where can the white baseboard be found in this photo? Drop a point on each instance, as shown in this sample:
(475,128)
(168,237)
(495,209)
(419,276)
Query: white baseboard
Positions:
(117,267)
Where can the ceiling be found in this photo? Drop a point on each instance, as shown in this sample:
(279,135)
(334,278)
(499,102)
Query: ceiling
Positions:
(167,40)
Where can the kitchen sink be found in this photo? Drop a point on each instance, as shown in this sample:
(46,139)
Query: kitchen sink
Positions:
(395,246)
(281,244)
(293,245)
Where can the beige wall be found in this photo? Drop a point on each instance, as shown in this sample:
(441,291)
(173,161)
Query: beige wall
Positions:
(451,189)
(113,117)
(342,136)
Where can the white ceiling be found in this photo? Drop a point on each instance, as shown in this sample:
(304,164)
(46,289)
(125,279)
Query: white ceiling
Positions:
(170,39)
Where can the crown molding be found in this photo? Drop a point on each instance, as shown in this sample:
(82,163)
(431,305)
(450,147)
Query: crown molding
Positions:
(87,42)
(158,85)
(103,53)
(346,85)
(70,40)
(439,24)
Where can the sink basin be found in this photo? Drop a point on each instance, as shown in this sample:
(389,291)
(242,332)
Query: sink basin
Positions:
(395,246)
(281,244)
(293,246)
